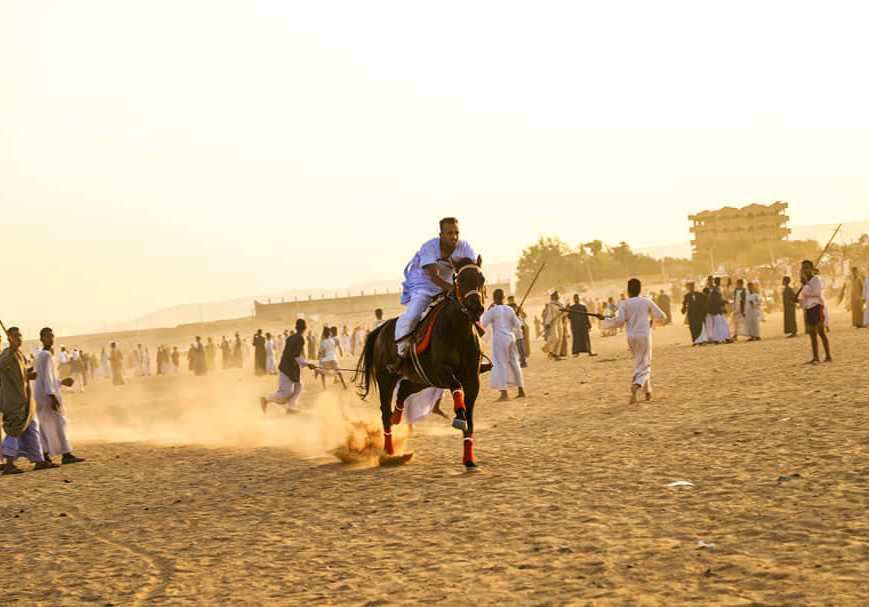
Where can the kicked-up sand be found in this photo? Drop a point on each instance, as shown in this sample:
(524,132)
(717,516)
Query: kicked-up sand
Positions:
(191,496)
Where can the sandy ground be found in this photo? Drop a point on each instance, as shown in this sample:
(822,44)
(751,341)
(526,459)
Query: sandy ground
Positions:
(190,495)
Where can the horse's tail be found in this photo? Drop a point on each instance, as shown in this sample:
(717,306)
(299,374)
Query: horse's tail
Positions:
(365,366)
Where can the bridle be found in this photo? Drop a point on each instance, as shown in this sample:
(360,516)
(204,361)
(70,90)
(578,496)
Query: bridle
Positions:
(461,297)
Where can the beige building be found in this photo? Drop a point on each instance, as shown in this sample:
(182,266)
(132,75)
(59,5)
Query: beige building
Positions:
(724,233)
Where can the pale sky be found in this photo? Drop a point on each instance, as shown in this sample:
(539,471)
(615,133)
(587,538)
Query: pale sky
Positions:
(159,153)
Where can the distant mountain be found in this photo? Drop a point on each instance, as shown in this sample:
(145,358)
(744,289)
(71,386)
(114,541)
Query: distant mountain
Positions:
(243,306)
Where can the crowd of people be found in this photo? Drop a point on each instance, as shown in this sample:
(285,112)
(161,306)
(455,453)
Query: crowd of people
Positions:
(721,312)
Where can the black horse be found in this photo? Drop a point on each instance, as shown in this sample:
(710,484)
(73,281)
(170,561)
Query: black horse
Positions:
(451,361)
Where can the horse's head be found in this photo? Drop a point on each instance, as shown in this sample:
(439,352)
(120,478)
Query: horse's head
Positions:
(470,287)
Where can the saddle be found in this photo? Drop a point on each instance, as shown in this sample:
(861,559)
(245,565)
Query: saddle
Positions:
(421,336)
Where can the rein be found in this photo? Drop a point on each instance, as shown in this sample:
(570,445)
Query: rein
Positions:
(461,297)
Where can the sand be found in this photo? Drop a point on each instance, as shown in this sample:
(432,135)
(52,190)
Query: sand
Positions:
(190,496)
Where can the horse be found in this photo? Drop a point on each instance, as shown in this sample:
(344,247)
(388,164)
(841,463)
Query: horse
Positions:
(451,360)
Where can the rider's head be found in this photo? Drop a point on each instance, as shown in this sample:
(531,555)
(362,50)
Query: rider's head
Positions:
(449,231)
(498,296)
(634,287)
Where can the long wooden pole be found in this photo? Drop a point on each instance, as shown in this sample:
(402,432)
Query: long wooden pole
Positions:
(531,286)
(821,256)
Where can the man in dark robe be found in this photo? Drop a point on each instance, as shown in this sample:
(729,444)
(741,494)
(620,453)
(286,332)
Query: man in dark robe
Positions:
(200,358)
(789,301)
(117,361)
(521,342)
(855,286)
(694,310)
(666,306)
(211,354)
(259,353)
(236,352)
(225,353)
(580,324)
(289,371)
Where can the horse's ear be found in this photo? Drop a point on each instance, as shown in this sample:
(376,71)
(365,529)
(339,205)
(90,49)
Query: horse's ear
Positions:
(479,261)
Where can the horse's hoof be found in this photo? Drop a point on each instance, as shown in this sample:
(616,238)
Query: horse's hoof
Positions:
(460,424)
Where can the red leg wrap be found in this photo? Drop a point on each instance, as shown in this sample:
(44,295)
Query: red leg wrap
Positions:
(396,415)
(459,400)
(387,443)
(468,457)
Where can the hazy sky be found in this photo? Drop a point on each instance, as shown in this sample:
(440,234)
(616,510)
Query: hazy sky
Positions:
(156,153)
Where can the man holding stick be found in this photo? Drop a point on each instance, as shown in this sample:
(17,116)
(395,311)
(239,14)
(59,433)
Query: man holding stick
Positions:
(289,371)
(19,412)
(811,298)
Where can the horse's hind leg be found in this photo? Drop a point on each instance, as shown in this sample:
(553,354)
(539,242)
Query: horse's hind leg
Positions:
(405,389)
(386,386)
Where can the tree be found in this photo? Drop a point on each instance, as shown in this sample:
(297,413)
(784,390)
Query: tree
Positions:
(552,252)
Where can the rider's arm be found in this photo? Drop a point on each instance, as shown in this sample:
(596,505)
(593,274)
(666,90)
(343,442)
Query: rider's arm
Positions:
(432,271)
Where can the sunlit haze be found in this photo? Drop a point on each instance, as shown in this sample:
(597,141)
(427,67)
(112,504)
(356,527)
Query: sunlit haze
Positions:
(161,153)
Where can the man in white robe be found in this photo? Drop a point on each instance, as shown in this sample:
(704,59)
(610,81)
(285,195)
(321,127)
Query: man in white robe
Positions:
(753,313)
(429,274)
(271,368)
(636,314)
(505,356)
(49,404)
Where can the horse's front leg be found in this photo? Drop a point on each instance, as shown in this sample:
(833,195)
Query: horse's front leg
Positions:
(460,421)
(472,389)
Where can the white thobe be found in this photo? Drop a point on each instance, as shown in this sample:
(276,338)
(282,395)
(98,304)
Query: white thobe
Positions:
(635,314)
(418,289)
(52,424)
(505,356)
(270,357)
(753,314)
(739,318)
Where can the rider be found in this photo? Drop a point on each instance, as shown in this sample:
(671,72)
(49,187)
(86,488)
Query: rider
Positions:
(428,274)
